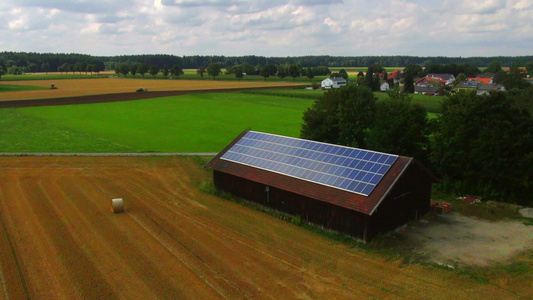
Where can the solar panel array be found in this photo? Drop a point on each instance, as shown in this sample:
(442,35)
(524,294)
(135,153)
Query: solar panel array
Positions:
(350,169)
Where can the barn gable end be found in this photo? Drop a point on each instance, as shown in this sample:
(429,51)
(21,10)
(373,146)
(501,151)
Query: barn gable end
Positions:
(402,194)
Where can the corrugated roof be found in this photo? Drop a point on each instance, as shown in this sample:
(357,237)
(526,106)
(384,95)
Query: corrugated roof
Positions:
(349,200)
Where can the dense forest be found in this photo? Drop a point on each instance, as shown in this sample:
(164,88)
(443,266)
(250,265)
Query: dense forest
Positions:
(54,62)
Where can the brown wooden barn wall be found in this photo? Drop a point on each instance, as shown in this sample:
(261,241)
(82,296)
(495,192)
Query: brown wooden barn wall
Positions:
(409,198)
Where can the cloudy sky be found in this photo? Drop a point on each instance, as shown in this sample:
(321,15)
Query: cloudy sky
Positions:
(269,27)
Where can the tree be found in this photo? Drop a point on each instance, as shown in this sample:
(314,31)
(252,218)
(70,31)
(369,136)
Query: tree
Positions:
(408,76)
(400,127)
(372,78)
(81,67)
(133,69)
(499,77)
(2,72)
(153,70)
(529,68)
(64,68)
(360,78)
(92,68)
(356,115)
(32,68)
(238,73)
(166,71)
(201,71)
(310,74)
(343,74)
(176,71)
(294,71)
(142,69)
(321,121)
(213,70)
(460,78)
(514,79)
(483,145)
(14,70)
(265,73)
(272,69)
(340,116)
(45,67)
(123,69)
(494,67)
(282,72)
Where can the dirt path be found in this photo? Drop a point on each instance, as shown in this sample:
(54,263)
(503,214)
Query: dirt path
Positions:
(176,242)
(462,240)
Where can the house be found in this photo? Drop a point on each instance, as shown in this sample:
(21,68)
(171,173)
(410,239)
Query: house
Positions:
(353,191)
(384,86)
(333,82)
(429,81)
(468,86)
(395,75)
(427,90)
(446,79)
(486,88)
(480,79)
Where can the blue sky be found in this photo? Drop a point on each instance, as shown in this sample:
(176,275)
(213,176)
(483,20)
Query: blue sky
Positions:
(269,28)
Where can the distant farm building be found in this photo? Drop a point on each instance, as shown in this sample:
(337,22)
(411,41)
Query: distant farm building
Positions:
(333,82)
(354,191)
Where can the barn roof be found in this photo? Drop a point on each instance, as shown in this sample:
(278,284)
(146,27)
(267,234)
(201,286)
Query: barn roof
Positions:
(381,171)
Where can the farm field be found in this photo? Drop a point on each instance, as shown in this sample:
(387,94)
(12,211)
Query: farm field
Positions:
(60,240)
(84,87)
(431,103)
(17,88)
(186,123)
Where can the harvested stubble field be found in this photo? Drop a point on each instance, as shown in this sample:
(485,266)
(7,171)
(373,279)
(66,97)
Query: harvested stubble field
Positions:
(59,240)
(87,87)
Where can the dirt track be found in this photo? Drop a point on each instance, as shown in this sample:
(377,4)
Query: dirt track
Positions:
(59,240)
(82,91)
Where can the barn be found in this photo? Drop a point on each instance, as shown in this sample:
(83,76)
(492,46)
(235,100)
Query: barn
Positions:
(333,82)
(354,191)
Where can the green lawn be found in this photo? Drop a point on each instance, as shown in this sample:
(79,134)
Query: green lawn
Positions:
(190,123)
(18,88)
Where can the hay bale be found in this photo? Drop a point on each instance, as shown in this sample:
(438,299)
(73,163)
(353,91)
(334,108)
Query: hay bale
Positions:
(117,205)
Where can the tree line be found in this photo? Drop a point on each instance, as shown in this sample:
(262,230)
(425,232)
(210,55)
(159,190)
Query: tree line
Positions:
(50,62)
(480,145)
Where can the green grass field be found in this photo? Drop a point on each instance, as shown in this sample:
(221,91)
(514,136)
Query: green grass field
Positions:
(190,123)
(431,103)
(18,88)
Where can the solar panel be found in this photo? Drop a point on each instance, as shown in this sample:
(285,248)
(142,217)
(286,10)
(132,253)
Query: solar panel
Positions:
(350,169)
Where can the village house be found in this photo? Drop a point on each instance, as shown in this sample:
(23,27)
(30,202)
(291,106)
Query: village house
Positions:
(333,82)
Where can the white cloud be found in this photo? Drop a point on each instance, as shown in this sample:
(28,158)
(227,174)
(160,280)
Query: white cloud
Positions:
(269,27)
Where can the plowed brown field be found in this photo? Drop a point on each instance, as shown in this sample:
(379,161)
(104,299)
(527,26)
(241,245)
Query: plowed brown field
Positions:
(86,87)
(59,240)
